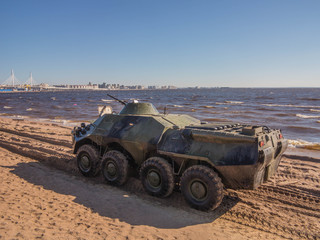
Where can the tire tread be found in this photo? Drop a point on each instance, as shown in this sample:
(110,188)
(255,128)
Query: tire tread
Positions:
(123,166)
(209,174)
(159,163)
(94,157)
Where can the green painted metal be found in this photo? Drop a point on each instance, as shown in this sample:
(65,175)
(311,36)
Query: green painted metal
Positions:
(232,149)
(139,109)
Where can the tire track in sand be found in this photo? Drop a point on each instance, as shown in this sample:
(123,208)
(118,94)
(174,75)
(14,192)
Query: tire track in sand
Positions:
(37,137)
(281,210)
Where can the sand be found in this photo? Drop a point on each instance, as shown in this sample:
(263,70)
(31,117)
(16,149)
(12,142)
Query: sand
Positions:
(43,196)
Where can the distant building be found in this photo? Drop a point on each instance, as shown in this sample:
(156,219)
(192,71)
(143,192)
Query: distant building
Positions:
(43,85)
(172,87)
(153,87)
(67,86)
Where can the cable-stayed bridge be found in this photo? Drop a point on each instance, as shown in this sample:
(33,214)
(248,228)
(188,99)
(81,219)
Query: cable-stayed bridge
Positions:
(13,81)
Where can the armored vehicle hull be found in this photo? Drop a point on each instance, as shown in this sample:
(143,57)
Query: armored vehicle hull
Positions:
(178,150)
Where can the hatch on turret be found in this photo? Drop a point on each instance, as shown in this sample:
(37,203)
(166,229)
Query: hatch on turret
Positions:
(139,109)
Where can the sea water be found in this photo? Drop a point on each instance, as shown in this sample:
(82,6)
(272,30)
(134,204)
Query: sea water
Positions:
(296,111)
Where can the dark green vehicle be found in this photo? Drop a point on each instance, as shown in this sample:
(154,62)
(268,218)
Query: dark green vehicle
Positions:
(170,150)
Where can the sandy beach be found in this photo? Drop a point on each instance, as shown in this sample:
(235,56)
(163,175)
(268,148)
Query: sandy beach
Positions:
(43,196)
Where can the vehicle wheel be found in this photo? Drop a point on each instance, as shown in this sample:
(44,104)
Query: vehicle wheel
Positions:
(201,187)
(157,177)
(88,160)
(114,167)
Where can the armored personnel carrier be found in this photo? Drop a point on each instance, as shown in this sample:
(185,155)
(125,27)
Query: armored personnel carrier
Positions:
(172,150)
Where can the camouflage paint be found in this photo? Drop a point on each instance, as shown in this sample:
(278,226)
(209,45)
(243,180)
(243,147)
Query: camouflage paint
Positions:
(232,149)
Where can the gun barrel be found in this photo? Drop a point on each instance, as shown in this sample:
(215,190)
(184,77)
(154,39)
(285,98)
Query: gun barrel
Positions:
(120,101)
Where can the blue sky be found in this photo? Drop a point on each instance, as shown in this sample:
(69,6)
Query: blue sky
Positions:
(182,43)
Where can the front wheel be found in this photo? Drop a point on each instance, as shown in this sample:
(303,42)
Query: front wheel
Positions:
(88,160)
(156,175)
(202,188)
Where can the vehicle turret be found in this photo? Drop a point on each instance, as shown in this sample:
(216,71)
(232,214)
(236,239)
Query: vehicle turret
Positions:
(136,108)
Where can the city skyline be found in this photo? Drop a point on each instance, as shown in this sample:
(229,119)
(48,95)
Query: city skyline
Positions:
(14,83)
(180,43)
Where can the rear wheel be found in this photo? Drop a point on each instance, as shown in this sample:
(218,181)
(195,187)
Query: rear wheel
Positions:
(201,188)
(157,178)
(115,167)
(88,160)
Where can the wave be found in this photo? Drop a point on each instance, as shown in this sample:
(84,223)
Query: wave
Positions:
(6,107)
(58,120)
(309,99)
(229,102)
(304,130)
(216,120)
(283,115)
(290,105)
(6,114)
(234,102)
(266,109)
(314,110)
(207,106)
(13,116)
(304,144)
(29,109)
(57,107)
(177,106)
(208,111)
(20,116)
(307,116)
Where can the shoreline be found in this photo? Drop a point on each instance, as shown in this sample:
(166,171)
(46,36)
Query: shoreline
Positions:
(296,148)
(298,118)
